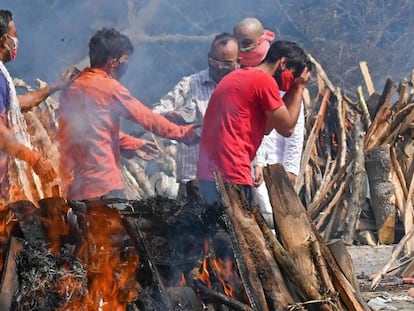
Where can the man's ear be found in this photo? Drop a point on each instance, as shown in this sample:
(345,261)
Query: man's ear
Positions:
(283,62)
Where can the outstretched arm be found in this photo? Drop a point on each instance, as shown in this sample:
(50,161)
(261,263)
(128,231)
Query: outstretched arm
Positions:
(33,98)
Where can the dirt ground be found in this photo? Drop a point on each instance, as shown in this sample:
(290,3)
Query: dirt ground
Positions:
(369,260)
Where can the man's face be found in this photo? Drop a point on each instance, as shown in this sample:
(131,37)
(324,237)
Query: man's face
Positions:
(223,60)
(10,43)
(248,38)
(121,67)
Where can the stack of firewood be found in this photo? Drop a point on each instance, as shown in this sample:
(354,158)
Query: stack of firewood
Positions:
(356,171)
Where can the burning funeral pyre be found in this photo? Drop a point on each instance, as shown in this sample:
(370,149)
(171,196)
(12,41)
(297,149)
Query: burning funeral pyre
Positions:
(160,254)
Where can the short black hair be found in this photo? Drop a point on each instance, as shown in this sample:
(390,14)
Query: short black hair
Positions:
(5,18)
(108,43)
(296,56)
(221,40)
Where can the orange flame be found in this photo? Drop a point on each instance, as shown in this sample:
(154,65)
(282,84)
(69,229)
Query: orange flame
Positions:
(224,270)
(112,283)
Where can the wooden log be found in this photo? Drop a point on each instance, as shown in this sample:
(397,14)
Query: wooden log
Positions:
(311,140)
(332,211)
(259,259)
(372,104)
(350,297)
(382,198)
(382,118)
(402,121)
(342,145)
(9,282)
(364,107)
(357,186)
(395,254)
(289,267)
(228,301)
(320,72)
(344,260)
(409,215)
(315,207)
(245,264)
(146,259)
(367,77)
(293,221)
(321,266)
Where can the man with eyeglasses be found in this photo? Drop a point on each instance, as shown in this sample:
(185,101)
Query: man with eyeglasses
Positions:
(187,102)
(15,146)
(244,106)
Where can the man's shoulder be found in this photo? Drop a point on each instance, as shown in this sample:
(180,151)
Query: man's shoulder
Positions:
(195,81)
(4,88)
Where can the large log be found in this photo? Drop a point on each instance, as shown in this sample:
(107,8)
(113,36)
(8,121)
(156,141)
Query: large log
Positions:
(288,266)
(357,185)
(9,282)
(292,221)
(378,168)
(295,229)
(265,279)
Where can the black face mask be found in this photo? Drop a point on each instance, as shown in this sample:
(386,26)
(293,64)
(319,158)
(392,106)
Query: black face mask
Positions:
(121,70)
(218,73)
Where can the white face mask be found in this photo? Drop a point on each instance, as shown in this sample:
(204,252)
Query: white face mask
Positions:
(14,48)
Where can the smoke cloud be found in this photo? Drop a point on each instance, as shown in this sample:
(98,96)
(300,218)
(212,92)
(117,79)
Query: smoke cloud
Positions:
(171,38)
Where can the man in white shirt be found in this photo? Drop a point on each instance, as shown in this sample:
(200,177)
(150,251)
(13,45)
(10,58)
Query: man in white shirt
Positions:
(187,102)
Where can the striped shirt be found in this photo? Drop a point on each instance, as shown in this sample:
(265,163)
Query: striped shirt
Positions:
(190,98)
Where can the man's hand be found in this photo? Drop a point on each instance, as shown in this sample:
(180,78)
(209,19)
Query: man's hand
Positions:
(258,176)
(192,137)
(148,150)
(44,169)
(304,78)
(65,80)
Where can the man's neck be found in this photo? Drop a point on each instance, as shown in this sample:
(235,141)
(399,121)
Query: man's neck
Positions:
(269,68)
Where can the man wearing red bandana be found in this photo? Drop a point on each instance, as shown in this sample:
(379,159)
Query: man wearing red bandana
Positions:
(254,41)
(245,105)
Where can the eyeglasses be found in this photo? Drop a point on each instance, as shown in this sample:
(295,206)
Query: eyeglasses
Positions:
(224,64)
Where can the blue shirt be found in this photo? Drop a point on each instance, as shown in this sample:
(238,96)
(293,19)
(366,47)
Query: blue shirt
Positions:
(4,107)
(4,95)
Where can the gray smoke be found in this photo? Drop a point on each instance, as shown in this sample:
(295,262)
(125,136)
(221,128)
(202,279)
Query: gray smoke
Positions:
(171,38)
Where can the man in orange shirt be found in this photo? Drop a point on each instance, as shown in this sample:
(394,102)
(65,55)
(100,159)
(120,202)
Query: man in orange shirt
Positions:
(91,109)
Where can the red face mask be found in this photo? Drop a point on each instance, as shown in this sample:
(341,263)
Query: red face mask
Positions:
(285,80)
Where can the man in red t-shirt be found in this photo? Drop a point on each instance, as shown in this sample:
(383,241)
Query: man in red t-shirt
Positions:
(245,105)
